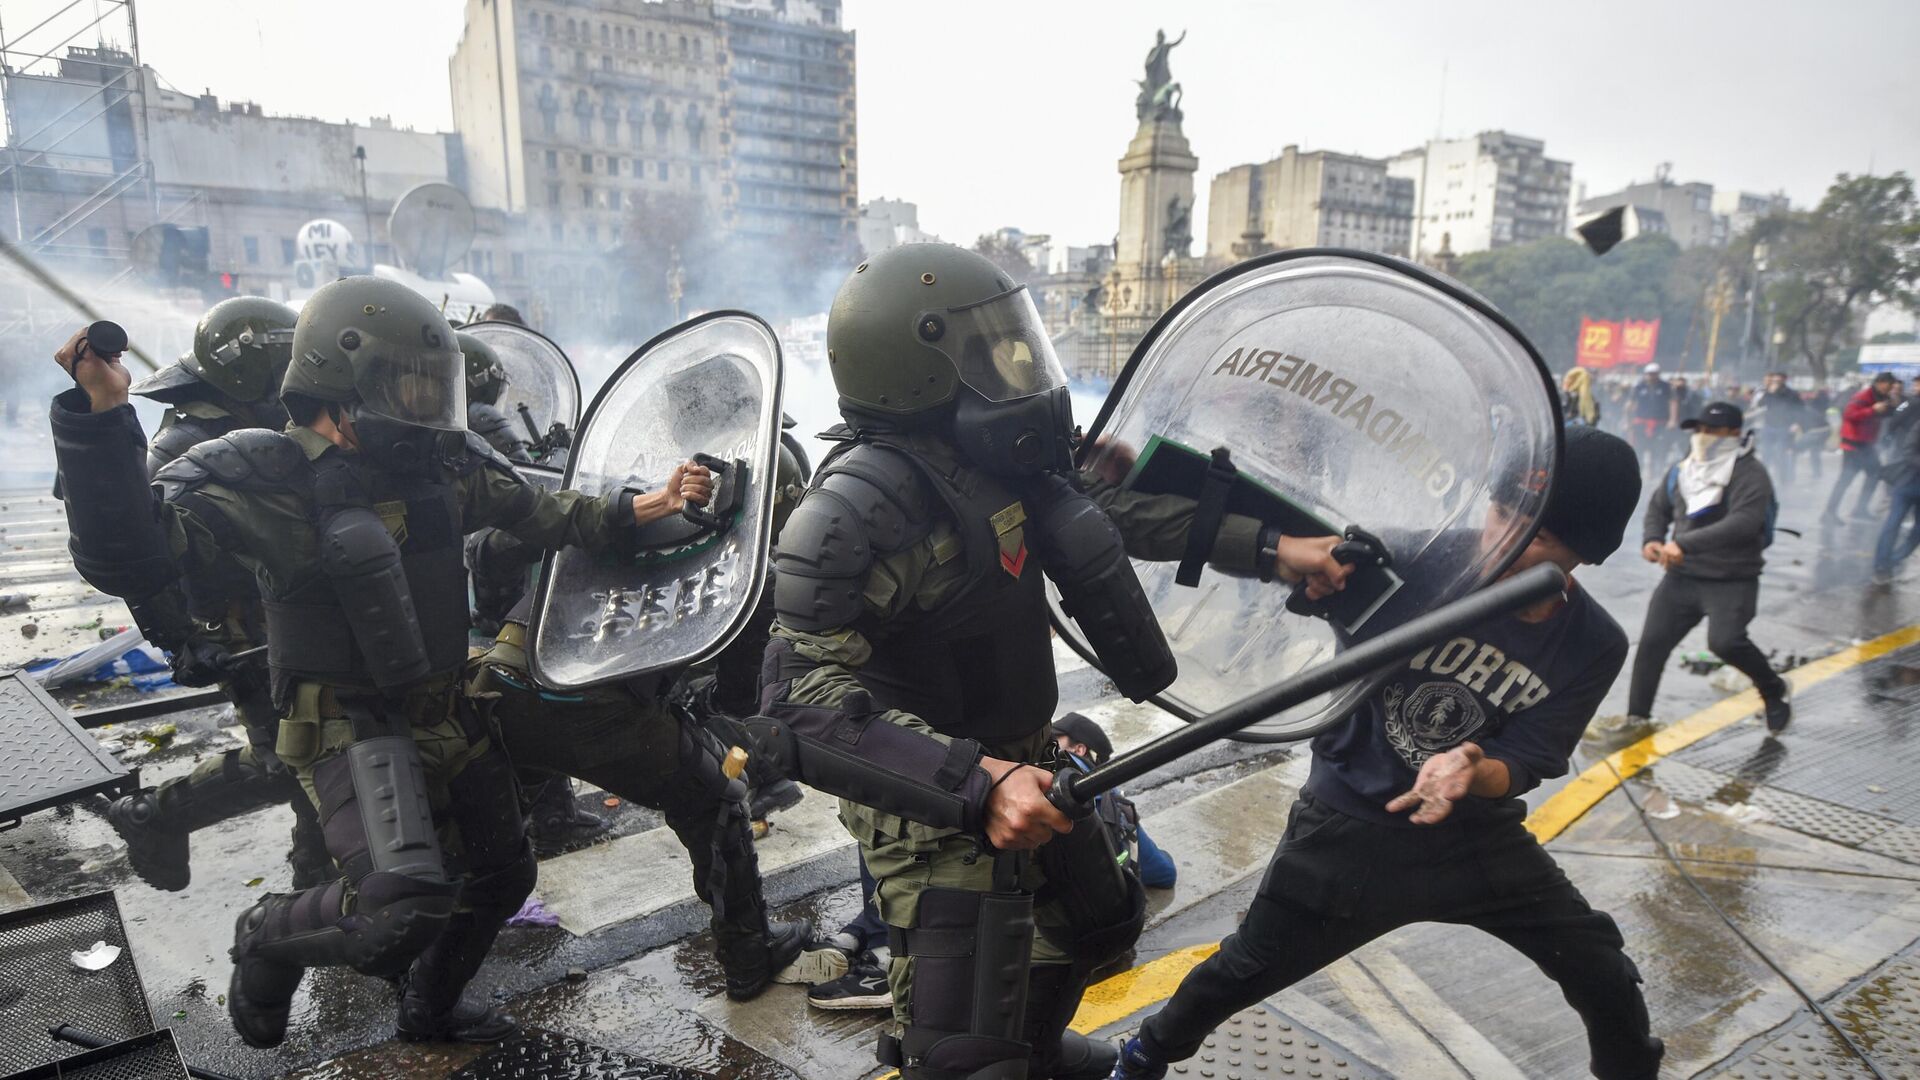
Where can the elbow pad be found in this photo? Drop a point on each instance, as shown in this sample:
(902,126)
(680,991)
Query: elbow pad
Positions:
(1084,557)
(850,751)
(118,541)
(163,619)
(363,564)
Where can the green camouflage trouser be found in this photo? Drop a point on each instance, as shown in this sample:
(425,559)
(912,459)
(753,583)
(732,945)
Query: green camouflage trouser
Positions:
(906,859)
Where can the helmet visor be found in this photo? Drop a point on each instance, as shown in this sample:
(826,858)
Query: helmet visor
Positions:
(424,387)
(999,347)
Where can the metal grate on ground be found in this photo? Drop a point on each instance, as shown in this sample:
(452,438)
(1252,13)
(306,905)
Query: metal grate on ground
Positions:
(45,758)
(1881,1015)
(41,987)
(1263,1042)
(552,1056)
(152,1056)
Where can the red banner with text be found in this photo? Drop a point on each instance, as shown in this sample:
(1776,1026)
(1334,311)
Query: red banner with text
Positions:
(1599,345)
(1638,340)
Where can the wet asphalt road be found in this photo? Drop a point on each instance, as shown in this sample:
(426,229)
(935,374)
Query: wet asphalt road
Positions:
(1418,1003)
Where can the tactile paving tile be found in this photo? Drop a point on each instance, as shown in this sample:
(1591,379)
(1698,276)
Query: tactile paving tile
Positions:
(1900,842)
(1691,784)
(1882,1016)
(1817,817)
(1266,1043)
(547,1055)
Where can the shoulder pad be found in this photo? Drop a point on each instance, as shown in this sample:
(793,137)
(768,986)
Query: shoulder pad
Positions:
(248,458)
(182,435)
(867,503)
(885,489)
(479,454)
(492,425)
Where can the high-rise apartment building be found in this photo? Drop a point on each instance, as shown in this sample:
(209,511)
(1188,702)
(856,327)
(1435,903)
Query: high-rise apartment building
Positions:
(621,126)
(1307,200)
(1484,191)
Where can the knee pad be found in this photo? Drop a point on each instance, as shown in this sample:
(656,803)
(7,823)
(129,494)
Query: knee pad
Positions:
(971,952)
(394,918)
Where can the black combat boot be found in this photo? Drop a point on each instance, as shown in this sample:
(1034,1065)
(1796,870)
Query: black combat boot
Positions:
(772,797)
(1053,995)
(752,959)
(555,821)
(260,992)
(156,844)
(431,1009)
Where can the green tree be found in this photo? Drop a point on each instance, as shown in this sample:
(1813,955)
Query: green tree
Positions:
(1548,286)
(1858,248)
(1006,256)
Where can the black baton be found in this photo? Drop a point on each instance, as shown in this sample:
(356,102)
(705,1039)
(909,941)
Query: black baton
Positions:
(1073,792)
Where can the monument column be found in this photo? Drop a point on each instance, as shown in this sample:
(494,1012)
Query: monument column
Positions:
(1153,265)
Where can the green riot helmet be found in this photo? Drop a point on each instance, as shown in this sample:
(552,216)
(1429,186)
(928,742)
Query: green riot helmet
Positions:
(931,333)
(241,347)
(387,357)
(486,376)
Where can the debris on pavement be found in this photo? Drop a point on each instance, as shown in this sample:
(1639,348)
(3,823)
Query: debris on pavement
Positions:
(96,958)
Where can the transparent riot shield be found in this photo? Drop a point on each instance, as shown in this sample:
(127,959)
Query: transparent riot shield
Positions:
(708,388)
(542,387)
(1346,389)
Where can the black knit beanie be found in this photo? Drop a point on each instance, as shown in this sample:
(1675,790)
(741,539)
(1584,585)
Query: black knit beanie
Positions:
(1594,494)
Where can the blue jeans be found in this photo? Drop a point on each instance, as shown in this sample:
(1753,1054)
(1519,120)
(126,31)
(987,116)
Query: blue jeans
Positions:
(1892,550)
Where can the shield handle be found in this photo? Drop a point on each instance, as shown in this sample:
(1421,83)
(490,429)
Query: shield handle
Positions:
(730,481)
(1357,546)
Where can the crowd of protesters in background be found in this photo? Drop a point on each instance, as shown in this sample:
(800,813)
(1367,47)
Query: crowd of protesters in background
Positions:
(1872,424)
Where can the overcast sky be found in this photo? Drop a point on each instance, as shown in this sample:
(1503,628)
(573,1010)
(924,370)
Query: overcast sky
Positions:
(997,112)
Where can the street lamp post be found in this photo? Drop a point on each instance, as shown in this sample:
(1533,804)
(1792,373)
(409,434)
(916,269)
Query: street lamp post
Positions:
(1753,301)
(366,207)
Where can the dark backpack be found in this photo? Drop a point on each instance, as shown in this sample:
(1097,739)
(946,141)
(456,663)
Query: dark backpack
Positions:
(1773,506)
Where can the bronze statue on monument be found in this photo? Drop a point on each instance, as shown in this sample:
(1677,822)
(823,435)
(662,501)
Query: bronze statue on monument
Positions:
(1159,97)
(1178,232)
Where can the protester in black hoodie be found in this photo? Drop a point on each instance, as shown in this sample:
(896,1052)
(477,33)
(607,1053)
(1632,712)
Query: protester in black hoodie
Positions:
(1718,502)
(1413,810)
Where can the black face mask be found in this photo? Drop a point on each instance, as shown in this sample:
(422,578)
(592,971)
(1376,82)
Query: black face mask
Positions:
(1024,437)
(401,448)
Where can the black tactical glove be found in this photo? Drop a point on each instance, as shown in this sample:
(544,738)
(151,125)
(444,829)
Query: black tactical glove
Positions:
(199,662)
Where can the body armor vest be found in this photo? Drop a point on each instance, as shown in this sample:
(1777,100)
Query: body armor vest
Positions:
(980,665)
(309,632)
(310,635)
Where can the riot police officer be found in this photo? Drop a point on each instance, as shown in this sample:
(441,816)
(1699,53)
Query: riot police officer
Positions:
(486,379)
(351,524)
(229,381)
(911,666)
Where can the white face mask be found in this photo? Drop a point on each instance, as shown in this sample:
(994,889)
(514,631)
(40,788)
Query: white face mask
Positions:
(1707,447)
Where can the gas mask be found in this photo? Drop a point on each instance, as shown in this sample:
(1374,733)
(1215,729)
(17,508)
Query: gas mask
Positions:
(1023,437)
(400,448)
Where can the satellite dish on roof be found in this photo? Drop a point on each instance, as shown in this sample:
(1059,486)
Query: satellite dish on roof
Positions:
(432,228)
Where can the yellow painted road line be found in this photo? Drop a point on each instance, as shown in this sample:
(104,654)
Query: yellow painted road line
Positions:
(1598,780)
(1120,996)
